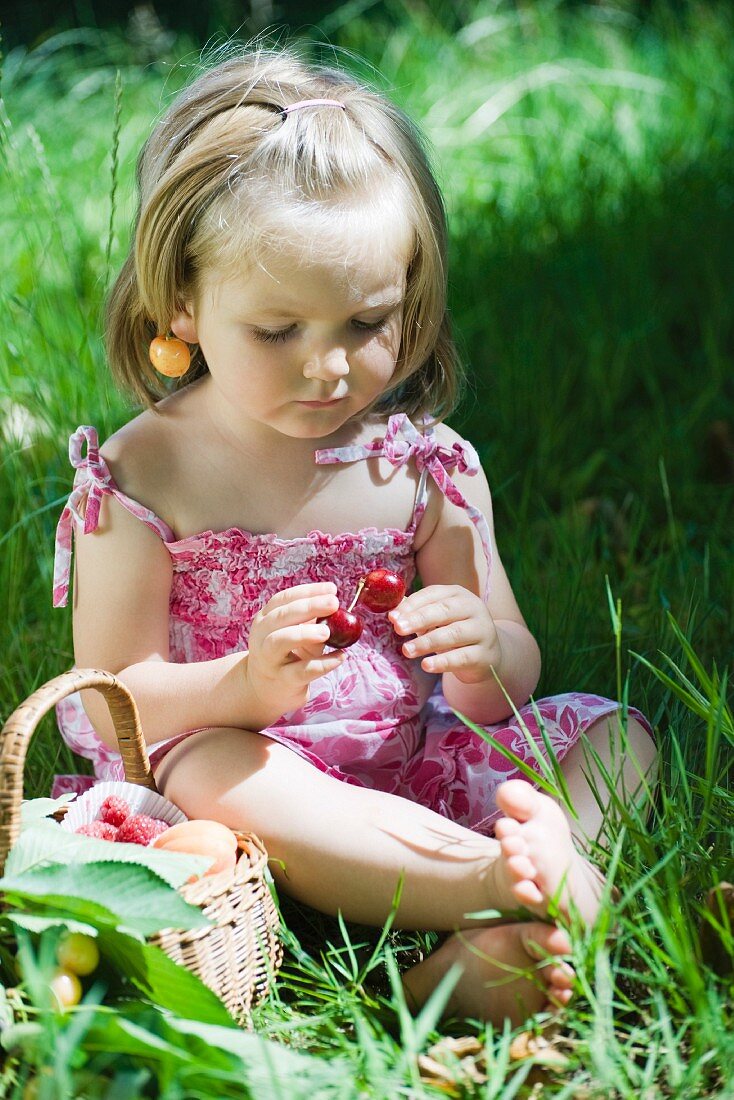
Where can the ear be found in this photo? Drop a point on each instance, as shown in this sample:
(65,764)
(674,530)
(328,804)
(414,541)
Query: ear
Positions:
(183,325)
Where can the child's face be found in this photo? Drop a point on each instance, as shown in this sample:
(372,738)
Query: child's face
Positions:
(303,343)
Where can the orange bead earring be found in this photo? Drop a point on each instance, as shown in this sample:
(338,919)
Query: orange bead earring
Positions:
(170,356)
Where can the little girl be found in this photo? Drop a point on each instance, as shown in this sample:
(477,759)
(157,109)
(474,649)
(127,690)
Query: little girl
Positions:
(288,265)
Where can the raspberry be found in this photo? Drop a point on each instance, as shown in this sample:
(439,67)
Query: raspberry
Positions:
(140,829)
(101,829)
(114,810)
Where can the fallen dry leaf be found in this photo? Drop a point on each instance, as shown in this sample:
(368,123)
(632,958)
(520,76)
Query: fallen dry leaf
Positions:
(543,1052)
(452,1063)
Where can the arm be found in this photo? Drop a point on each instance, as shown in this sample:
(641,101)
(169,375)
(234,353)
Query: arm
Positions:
(458,635)
(122,584)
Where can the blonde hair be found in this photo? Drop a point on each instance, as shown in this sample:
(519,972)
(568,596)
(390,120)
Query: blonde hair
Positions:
(224,148)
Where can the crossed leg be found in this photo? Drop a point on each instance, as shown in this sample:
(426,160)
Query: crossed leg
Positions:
(345,847)
(541,870)
(542,861)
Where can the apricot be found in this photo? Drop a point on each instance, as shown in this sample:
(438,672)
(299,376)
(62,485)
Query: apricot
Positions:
(201,838)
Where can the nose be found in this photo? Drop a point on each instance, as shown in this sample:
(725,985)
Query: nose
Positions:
(327,364)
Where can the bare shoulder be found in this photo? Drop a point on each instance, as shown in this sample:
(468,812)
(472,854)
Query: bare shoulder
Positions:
(126,447)
(446,435)
(141,458)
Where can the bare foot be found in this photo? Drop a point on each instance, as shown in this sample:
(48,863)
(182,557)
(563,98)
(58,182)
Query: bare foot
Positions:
(539,858)
(505,977)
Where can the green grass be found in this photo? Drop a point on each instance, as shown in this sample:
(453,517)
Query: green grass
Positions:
(585,155)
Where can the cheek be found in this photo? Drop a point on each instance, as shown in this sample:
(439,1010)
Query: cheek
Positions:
(394,340)
(383,349)
(376,362)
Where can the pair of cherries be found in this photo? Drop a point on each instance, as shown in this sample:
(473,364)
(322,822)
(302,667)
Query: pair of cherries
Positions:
(380,590)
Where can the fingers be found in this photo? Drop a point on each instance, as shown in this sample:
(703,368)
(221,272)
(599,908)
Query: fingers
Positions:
(305,640)
(452,648)
(311,670)
(444,639)
(295,607)
(453,630)
(470,659)
(307,652)
(299,591)
(438,605)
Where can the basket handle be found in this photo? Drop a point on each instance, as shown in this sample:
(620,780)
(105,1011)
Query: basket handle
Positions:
(22,723)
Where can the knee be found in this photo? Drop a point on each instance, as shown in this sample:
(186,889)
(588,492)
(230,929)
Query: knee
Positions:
(613,743)
(198,773)
(642,744)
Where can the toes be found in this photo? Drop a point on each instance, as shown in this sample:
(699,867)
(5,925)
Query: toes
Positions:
(520,867)
(541,940)
(557,941)
(558,997)
(513,846)
(560,977)
(517,799)
(527,893)
(506,826)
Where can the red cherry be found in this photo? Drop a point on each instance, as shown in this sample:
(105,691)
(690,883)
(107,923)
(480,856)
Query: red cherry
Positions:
(344,628)
(383,590)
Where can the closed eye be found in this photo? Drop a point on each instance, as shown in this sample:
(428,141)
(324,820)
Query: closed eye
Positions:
(266,337)
(278,336)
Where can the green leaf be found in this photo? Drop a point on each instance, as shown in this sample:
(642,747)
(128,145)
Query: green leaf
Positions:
(143,1035)
(272,1070)
(63,909)
(35,923)
(44,844)
(113,1033)
(199,1051)
(124,893)
(162,980)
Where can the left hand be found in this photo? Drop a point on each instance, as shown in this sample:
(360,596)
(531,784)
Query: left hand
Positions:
(455,632)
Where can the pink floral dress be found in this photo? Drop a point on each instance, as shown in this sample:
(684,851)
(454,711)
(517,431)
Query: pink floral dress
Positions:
(378,720)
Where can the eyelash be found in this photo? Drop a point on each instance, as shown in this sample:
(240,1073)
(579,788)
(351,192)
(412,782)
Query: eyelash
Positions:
(266,337)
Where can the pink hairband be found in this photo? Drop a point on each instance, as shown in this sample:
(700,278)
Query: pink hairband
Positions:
(311,103)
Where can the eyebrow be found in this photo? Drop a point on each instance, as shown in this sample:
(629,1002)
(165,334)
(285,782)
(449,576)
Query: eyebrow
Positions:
(280,314)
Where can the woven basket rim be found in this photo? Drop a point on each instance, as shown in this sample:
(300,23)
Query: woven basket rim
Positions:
(23,722)
(250,866)
(248,876)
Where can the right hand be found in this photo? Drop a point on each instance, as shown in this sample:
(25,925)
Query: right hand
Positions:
(286,648)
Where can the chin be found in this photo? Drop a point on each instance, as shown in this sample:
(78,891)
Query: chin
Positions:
(317,429)
(314,423)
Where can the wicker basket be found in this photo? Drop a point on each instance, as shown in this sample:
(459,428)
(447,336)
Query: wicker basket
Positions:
(241,953)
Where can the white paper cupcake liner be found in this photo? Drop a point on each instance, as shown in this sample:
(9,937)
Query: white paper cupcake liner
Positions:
(140,800)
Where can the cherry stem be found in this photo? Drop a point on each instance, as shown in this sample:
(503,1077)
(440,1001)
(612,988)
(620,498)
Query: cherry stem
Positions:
(360,586)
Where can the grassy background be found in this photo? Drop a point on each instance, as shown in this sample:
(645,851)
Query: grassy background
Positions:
(585,153)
